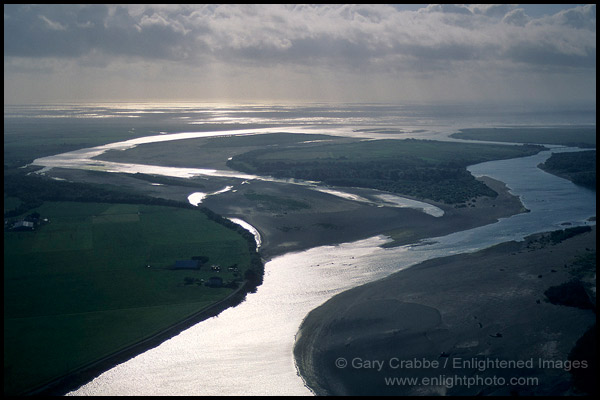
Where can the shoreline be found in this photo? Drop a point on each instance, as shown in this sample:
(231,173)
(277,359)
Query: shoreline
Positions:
(490,303)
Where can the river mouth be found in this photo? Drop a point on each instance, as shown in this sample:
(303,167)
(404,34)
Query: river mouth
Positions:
(248,349)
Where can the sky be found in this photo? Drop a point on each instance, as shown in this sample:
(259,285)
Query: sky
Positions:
(300,53)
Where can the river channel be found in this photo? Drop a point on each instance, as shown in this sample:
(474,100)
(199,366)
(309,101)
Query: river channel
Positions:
(247,350)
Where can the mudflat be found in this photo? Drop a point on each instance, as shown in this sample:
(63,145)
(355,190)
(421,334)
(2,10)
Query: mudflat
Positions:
(481,316)
(330,220)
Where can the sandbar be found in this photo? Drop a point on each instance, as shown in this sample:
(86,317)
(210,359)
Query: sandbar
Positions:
(488,305)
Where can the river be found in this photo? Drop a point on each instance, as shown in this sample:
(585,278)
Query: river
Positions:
(247,350)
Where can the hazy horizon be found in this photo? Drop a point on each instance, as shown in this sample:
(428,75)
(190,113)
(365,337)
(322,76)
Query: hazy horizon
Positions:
(492,54)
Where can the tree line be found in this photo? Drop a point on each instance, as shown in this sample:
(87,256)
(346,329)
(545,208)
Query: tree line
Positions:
(33,190)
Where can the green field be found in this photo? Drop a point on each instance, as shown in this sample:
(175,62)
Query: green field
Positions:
(576,136)
(421,168)
(79,287)
(11,203)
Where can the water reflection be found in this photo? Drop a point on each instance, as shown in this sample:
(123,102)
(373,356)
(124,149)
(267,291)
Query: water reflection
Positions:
(247,350)
(250,229)
(85,159)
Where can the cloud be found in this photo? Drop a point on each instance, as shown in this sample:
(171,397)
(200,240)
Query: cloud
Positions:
(546,55)
(448,8)
(53,25)
(436,42)
(583,17)
(516,17)
(328,34)
(74,31)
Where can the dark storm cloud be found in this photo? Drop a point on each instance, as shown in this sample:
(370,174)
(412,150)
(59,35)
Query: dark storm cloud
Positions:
(230,46)
(547,55)
(73,31)
(355,35)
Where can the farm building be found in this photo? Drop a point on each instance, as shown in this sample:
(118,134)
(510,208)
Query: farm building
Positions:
(187,264)
(23,226)
(214,281)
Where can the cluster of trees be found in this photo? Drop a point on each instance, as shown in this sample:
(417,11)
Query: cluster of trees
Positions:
(564,234)
(255,271)
(165,180)
(33,190)
(449,182)
(571,294)
(421,168)
(560,235)
(579,167)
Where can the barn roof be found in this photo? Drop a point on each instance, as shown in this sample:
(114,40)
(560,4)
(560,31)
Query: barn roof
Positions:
(187,264)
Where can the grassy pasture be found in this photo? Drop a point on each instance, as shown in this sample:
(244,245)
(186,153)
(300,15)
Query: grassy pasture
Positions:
(410,150)
(79,288)
(11,202)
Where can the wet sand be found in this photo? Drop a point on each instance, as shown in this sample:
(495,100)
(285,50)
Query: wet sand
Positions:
(489,304)
(331,220)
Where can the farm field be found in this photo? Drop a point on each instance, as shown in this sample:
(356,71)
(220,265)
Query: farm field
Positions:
(97,278)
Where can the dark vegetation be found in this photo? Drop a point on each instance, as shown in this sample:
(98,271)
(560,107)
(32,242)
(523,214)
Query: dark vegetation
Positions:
(578,167)
(557,236)
(564,234)
(570,294)
(420,168)
(578,291)
(166,180)
(573,136)
(33,190)
(106,273)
